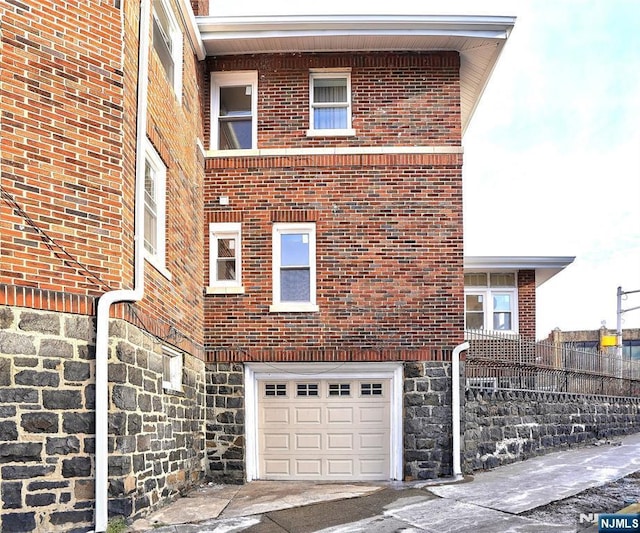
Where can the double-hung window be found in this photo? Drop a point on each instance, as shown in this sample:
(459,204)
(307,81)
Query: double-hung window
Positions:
(294,267)
(225,264)
(155,178)
(330,102)
(167,42)
(491,301)
(234,109)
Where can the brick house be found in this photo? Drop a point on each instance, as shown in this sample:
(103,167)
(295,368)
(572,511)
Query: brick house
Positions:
(230,247)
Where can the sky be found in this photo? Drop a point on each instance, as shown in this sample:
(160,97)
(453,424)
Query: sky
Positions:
(552,154)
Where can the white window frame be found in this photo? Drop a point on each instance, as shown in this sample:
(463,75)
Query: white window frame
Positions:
(175,36)
(173,381)
(283,228)
(487,292)
(232,78)
(224,230)
(315,74)
(157,256)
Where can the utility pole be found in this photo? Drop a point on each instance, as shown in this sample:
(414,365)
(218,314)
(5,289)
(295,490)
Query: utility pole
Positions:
(622,293)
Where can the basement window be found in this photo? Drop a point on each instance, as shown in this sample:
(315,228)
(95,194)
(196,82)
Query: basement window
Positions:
(172,367)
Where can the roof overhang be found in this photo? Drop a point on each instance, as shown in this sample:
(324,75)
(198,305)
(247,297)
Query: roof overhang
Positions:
(545,266)
(478,39)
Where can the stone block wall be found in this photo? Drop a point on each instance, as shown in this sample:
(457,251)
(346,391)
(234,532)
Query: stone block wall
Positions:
(225,440)
(427,420)
(47,422)
(509,426)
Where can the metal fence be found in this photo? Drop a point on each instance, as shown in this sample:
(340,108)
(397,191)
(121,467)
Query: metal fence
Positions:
(508,362)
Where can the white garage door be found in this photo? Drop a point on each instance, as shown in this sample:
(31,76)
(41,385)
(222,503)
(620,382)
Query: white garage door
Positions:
(324,429)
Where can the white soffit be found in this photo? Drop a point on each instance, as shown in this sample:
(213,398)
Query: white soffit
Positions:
(545,266)
(478,39)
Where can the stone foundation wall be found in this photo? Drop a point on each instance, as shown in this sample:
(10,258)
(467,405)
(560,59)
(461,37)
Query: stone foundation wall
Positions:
(47,422)
(427,420)
(225,440)
(510,426)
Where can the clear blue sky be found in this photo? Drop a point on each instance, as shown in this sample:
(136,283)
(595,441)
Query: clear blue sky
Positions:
(552,155)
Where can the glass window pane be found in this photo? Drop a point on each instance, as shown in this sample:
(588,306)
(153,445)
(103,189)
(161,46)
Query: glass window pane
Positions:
(235,134)
(474,320)
(330,90)
(150,230)
(226,269)
(502,302)
(503,279)
(235,101)
(226,247)
(294,249)
(162,44)
(295,285)
(475,302)
(333,118)
(475,279)
(502,321)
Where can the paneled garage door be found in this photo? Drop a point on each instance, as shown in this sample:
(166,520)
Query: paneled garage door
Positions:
(324,429)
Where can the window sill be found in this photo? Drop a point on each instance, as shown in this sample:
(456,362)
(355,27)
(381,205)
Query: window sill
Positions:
(294,307)
(224,290)
(155,263)
(349,132)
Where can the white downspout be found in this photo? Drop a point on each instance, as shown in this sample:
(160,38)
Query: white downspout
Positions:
(455,406)
(133,295)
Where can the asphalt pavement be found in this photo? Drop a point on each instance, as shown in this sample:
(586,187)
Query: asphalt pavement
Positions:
(488,502)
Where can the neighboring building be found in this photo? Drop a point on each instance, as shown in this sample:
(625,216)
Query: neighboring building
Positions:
(290,309)
(76,112)
(601,340)
(500,292)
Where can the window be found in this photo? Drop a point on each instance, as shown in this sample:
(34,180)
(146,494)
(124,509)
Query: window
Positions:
(234,109)
(307,389)
(371,389)
(275,389)
(167,42)
(339,389)
(171,369)
(155,175)
(490,301)
(294,267)
(224,257)
(330,103)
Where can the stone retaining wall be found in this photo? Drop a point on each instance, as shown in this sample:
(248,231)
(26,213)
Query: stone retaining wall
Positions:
(47,422)
(509,426)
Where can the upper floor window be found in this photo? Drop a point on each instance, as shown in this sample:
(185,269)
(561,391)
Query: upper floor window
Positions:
(225,264)
(234,109)
(155,178)
(167,42)
(294,267)
(330,102)
(490,301)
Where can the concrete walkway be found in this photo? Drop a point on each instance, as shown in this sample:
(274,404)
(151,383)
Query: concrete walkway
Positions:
(491,502)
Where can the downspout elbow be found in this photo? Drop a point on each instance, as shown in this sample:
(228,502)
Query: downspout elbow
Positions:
(455,407)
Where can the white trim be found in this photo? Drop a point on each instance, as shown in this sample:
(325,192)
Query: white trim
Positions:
(158,257)
(219,230)
(176,366)
(335,150)
(226,79)
(317,74)
(487,292)
(224,290)
(255,372)
(189,20)
(287,228)
(176,37)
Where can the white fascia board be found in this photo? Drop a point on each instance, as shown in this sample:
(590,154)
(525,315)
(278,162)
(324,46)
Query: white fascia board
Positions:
(318,24)
(190,24)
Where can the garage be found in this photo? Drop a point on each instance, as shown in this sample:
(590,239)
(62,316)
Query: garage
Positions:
(323,421)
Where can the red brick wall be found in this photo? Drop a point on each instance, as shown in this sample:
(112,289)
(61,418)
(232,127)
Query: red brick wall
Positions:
(69,83)
(527,303)
(389,255)
(398,99)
